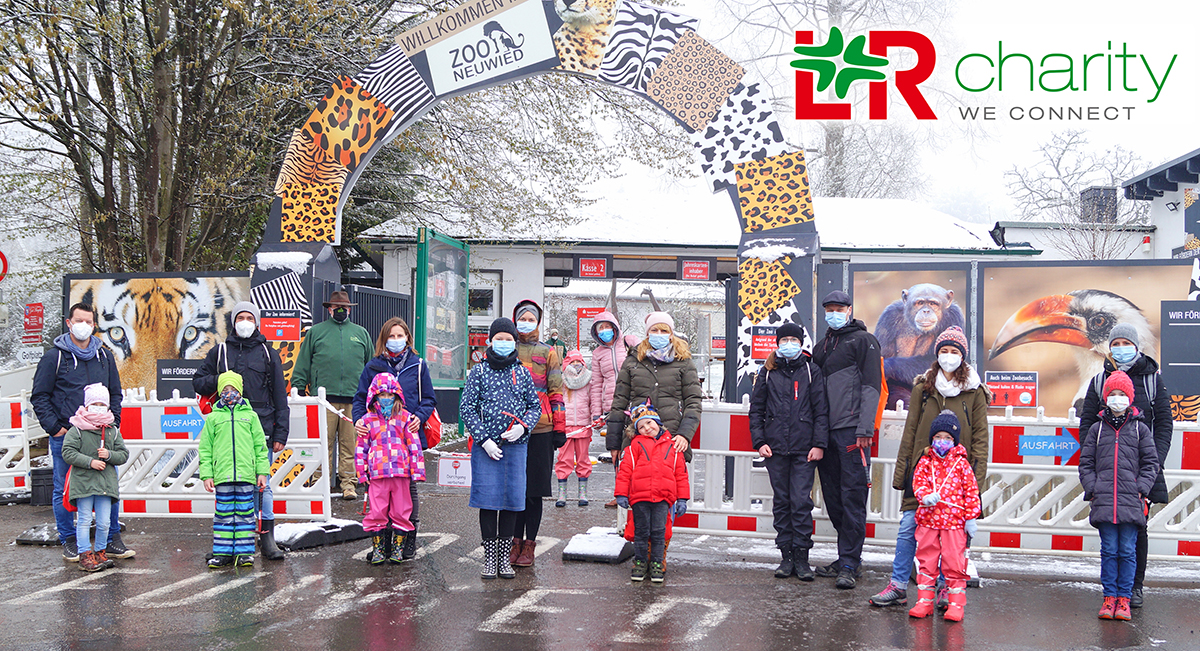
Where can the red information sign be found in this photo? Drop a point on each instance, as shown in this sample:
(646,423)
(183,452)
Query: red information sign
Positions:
(1016,389)
(593,267)
(35,318)
(695,270)
(584,314)
(718,343)
(280,325)
(762,341)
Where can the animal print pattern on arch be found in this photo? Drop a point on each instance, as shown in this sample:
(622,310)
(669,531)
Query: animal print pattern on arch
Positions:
(642,36)
(309,212)
(582,38)
(773,192)
(764,287)
(744,129)
(305,162)
(694,80)
(347,121)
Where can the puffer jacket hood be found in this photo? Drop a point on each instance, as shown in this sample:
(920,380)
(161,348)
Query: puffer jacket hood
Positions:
(536,334)
(611,319)
(384,383)
(388,449)
(606,364)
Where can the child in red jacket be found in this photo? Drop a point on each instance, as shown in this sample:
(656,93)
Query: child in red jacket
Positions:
(652,481)
(945,483)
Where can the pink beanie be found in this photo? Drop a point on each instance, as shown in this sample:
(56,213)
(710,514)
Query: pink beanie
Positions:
(94,393)
(655,318)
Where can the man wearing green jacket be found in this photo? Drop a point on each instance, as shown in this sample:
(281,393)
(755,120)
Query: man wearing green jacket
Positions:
(333,355)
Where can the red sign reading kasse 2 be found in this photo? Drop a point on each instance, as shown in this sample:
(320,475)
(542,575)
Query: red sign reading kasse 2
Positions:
(593,267)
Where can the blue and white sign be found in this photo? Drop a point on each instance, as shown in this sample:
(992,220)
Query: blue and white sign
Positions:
(191,422)
(1064,446)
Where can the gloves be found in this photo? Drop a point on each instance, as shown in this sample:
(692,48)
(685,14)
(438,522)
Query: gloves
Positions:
(492,450)
(931,499)
(559,440)
(623,501)
(513,433)
(680,507)
(971,527)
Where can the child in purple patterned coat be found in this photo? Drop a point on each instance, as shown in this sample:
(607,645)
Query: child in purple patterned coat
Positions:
(387,458)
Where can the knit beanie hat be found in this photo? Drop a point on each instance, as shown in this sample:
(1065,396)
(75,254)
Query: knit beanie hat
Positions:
(229,379)
(573,356)
(952,336)
(1125,331)
(789,329)
(527,306)
(945,422)
(655,318)
(502,325)
(1118,381)
(94,393)
(642,412)
(247,306)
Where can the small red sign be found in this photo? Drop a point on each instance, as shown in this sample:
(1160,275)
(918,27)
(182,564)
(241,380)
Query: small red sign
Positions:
(762,342)
(695,269)
(593,267)
(280,328)
(1013,388)
(477,339)
(35,318)
(718,343)
(581,315)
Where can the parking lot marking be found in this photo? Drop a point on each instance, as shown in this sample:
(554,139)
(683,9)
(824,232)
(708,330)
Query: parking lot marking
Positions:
(153,598)
(504,620)
(717,612)
(82,583)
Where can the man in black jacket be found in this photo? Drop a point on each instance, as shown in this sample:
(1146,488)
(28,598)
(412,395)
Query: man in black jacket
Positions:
(849,360)
(77,360)
(246,352)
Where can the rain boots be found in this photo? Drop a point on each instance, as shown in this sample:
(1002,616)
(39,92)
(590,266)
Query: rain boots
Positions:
(524,557)
(410,544)
(398,540)
(491,551)
(583,501)
(958,601)
(266,542)
(787,565)
(503,567)
(562,494)
(1108,608)
(379,548)
(926,597)
(802,569)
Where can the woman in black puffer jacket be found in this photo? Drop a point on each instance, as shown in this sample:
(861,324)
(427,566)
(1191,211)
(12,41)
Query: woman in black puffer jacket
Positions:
(789,426)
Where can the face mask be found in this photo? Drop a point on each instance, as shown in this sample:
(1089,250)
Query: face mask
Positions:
(1118,403)
(81,330)
(97,409)
(949,362)
(504,348)
(606,335)
(836,319)
(790,349)
(244,329)
(1124,354)
(386,404)
(526,327)
(659,341)
(396,346)
(942,446)
(341,314)
(230,396)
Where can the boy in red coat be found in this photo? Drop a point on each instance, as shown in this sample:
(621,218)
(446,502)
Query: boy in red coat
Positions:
(652,481)
(945,483)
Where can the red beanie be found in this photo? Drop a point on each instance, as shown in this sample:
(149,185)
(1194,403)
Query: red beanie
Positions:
(1118,381)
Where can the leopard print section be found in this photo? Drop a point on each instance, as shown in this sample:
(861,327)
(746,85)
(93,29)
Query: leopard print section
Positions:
(346,122)
(764,287)
(581,40)
(773,192)
(694,80)
(309,212)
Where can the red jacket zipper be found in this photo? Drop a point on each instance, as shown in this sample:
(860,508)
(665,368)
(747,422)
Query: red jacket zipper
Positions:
(1116,468)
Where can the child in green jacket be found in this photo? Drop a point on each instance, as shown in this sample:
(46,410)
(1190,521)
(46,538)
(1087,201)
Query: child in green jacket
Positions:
(233,455)
(93,448)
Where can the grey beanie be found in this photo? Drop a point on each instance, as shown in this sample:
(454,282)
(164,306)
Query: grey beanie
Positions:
(247,306)
(1124,331)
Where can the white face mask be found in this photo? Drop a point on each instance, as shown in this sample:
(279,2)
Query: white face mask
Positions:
(1118,403)
(949,362)
(97,409)
(81,330)
(244,329)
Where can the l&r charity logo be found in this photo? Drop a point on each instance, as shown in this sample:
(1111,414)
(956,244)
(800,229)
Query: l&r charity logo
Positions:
(863,58)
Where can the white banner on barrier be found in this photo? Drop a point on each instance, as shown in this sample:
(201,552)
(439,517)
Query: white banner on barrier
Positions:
(454,469)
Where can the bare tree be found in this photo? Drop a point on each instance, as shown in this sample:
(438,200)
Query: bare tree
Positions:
(1095,227)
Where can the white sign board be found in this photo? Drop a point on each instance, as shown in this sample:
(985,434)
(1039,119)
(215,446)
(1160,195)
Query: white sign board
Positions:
(454,469)
(518,40)
(27,355)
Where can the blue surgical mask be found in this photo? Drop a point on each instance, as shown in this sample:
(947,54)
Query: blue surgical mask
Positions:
(1124,354)
(606,335)
(790,349)
(836,319)
(386,404)
(526,327)
(941,446)
(396,346)
(659,341)
(504,348)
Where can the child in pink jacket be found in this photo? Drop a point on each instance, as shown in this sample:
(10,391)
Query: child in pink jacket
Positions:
(579,406)
(387,458)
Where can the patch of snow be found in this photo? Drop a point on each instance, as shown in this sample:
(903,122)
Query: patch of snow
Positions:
(289,533)
(773,252)
(595,545)
(293,261)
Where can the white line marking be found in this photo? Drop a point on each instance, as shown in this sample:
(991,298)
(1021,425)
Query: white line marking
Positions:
(153,599)
(285,595)
(82,583)
(527,603)
(717,612)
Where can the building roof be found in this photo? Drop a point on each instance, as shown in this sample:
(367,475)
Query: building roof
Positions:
(1052,226)
(1164,178)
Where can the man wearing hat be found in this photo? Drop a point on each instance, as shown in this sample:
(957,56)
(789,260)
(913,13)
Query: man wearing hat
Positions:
(333,355)
(246,353)
(850,360)
(557,344)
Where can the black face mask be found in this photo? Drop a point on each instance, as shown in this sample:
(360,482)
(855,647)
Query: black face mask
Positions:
(341,314)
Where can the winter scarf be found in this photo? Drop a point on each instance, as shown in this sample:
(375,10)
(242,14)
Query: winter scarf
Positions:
(664,356)
(576,379)
(67,344)
(498,362)
(949,388)
(86,420)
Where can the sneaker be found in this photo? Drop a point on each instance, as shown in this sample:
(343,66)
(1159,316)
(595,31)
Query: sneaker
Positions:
(107,562)
(1135,600)
(70,550)
(826,571)
(117,549)
(88,562)
(244,560)
(845,578)
(349,494)
(893,595)
(1108,607)
(219,561)
(1121,612)
(658,573)
(639,571)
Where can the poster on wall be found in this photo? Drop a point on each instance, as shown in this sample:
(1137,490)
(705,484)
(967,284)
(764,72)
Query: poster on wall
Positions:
(906,310)
(1056,318)
(1180,361)
(144,318)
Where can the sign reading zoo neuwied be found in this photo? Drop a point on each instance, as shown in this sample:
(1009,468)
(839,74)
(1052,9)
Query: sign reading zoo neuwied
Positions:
(483,43)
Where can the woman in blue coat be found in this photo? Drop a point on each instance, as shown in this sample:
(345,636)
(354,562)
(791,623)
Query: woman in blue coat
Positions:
(394,354)
(499,408)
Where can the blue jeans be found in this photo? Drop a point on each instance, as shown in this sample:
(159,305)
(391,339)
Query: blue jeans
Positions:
(1118,558)
(63,520)
(268,499)
(906,548)
(103,505)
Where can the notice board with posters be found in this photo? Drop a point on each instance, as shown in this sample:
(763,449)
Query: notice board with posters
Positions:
(440,321)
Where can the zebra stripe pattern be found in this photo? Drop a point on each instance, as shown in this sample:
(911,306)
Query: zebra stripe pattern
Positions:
(393,80)
(642,37)
(284,293)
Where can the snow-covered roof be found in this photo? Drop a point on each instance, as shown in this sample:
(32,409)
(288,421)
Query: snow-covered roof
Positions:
(710,220)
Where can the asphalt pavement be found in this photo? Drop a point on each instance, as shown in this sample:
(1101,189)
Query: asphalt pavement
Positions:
(719,594)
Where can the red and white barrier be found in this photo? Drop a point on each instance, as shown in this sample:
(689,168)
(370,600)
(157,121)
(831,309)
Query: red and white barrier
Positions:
(14,443)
